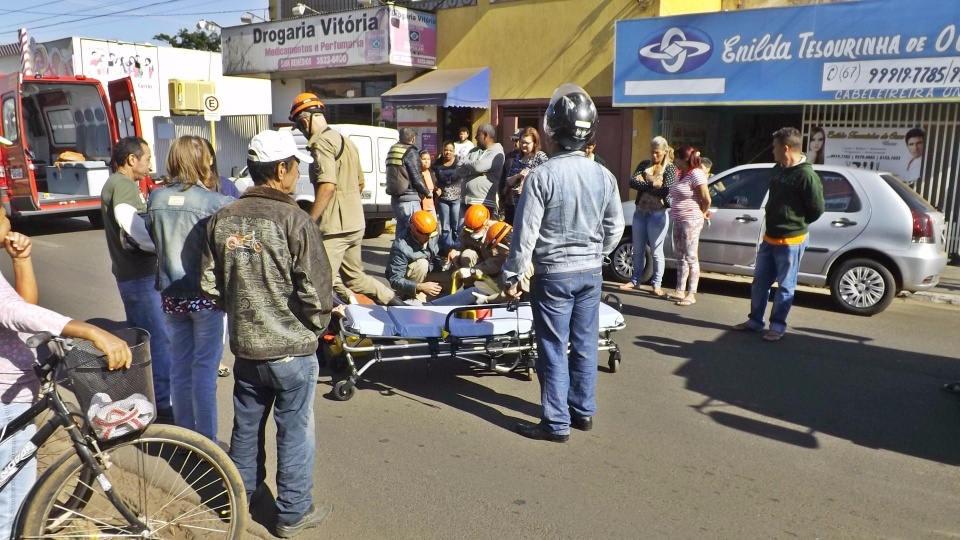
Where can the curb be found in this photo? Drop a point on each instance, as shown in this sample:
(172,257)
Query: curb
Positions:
(937,298)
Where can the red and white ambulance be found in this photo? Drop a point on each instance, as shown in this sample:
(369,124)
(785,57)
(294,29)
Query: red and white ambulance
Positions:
(63,130)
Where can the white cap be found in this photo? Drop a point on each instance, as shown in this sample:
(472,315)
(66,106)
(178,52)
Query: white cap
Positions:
(5,142)
(269,146)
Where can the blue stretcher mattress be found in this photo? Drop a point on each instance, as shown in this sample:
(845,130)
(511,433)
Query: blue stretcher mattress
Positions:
(422,322)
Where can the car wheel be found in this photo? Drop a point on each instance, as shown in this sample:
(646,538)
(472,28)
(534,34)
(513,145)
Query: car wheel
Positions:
(621,263)
(862,287)
(375,228)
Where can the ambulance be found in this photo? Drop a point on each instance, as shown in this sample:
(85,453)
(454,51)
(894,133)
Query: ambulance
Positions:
(63,130)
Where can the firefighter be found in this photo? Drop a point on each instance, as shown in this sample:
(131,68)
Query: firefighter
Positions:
(338,179)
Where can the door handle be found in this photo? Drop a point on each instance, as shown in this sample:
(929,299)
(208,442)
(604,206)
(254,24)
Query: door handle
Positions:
(383,184)
(745,218)
(843,223)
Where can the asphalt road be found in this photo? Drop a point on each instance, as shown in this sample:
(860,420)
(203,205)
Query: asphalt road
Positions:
(839,430)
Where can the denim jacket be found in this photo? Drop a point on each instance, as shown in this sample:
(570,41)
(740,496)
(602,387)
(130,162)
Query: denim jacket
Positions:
(568,218)
(178,220)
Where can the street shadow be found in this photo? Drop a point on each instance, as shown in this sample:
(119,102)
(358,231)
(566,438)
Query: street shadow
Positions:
(49,225)
(447,382)
(824,382)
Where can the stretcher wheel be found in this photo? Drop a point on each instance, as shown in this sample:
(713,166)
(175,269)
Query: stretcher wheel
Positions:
(344,390)
(527,373)
(614,362)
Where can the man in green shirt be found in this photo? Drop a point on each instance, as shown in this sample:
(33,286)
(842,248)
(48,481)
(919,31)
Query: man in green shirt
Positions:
(133,258)
(795,201)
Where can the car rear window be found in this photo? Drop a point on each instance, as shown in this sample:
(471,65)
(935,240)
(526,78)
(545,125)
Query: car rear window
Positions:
(912,198)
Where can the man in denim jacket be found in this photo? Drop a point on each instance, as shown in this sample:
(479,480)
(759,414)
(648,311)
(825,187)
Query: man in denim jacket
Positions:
(568,218)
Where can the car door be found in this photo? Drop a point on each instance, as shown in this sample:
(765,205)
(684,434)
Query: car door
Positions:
(731,236)
(846,213)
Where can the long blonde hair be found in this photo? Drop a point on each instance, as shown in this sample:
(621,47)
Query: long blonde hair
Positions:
(189,163)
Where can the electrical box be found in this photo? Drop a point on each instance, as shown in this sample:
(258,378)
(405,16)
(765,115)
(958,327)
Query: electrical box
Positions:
(186,97)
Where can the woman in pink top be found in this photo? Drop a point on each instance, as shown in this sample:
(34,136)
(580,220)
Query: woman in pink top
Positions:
(20,318)
(689,201)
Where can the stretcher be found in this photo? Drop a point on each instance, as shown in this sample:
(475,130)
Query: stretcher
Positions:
(499,338)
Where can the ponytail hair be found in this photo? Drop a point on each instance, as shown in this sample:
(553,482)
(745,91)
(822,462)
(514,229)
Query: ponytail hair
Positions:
(691,156)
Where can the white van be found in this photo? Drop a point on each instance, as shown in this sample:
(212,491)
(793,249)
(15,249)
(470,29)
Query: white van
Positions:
(373,143)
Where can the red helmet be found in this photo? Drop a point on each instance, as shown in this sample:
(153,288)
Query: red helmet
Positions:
(475,217)
(305,102)
(424,223)
(496,233)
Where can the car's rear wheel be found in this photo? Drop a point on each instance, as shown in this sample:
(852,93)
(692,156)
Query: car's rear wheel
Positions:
(375,228)
(621,263)
(862,287)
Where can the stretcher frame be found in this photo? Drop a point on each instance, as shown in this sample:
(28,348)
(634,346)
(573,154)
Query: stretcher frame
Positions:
(503,354)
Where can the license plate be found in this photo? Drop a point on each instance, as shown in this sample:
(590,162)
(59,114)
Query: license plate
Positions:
(366,194)
(16,173)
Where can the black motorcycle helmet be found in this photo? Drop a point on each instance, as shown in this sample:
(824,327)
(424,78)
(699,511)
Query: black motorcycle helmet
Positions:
(571,119)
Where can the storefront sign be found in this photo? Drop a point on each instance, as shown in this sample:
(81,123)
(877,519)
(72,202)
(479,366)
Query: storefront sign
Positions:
(108,61)
(897,151)
(413,38)
(350,38)
(880,51)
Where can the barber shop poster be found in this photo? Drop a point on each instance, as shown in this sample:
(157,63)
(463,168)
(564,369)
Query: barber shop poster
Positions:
(898,151)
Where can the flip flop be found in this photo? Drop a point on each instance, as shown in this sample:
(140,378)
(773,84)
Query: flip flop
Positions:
(224,371)
(772,335)
(685,302)
(658,293)
(627,287)
(951,388)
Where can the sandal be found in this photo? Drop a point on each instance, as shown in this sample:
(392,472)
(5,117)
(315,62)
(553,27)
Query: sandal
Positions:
(628,287)
(772,335)
(224,371)
(951,388)
(685,302)
(658,293)
(676,295)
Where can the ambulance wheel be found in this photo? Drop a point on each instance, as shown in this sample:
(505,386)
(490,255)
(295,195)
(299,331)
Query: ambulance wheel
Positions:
(614,362)
(344,390)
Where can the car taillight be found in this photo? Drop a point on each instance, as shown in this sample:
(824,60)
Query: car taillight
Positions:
(922,227)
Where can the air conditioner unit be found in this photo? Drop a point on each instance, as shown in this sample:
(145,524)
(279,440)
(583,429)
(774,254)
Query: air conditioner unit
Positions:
(186,97)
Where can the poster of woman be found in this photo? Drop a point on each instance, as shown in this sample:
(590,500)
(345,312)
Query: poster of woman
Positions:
(816,144)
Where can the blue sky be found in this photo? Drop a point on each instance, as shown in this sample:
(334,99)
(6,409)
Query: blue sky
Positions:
(124,20)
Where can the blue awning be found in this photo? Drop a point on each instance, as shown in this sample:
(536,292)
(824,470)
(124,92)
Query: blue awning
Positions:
(445,88)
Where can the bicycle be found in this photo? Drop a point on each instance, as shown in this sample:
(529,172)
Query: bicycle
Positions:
(160,481)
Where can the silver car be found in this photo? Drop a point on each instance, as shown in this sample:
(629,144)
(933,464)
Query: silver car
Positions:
(877,236)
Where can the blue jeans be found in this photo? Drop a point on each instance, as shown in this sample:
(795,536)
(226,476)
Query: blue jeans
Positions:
(403,211)
(449,216)
(141,303)
(16,491)
(286,386)
(779,264)
(197,346)
(566,309)
(649,228)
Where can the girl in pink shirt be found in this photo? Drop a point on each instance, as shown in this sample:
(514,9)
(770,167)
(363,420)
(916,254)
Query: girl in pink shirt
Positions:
(20,318)
(689,201)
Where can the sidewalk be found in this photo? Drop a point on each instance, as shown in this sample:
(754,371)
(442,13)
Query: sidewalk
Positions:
(946,292)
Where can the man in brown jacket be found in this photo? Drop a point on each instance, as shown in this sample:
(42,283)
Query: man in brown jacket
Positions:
(265,266)
(338,210)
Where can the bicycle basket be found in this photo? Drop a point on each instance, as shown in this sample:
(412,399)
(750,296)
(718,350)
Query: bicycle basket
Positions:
(114,402)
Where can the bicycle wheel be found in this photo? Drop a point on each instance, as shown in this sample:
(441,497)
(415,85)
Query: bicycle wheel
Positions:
(178,482)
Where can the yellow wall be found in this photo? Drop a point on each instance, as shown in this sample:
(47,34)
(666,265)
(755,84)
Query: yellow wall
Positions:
(683,7)
(534,46)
